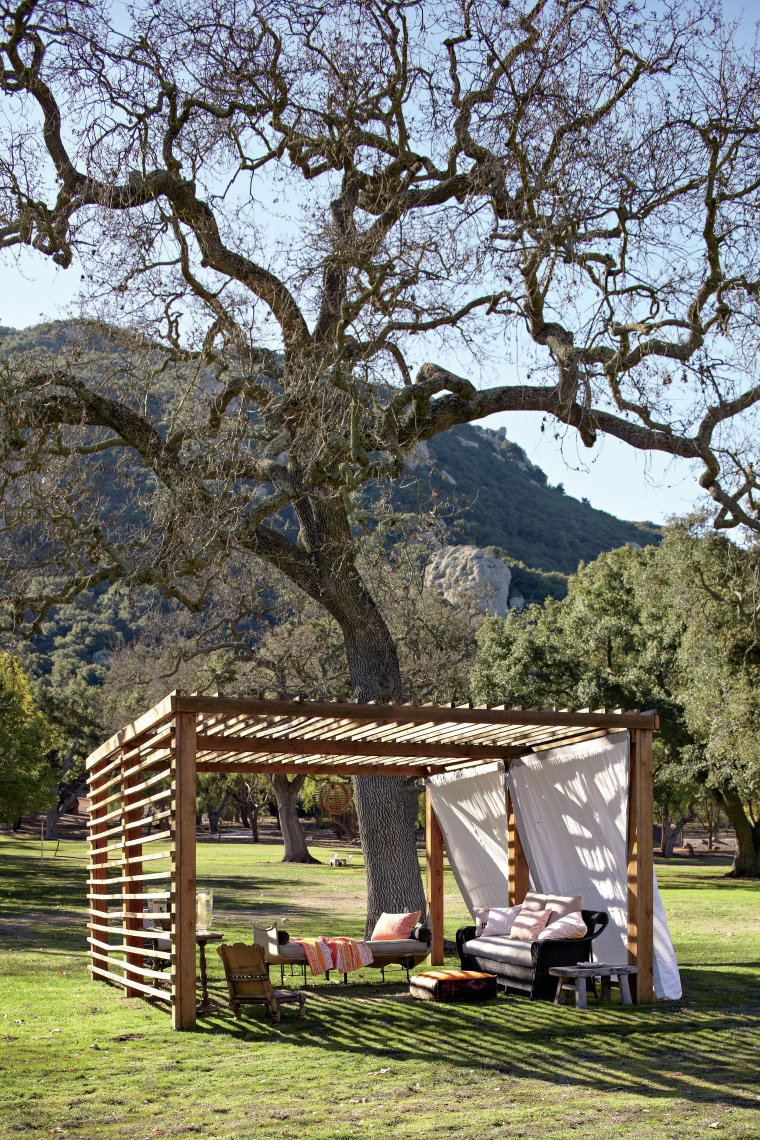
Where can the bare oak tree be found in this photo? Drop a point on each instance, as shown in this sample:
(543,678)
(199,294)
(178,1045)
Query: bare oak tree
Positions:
(291,201)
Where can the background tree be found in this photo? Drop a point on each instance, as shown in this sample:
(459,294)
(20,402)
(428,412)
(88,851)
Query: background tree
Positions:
(27,778)
(289,196)
(670,627)
(608,644)
(717,584)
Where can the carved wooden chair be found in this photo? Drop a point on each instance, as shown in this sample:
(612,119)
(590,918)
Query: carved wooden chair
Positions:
(249,984)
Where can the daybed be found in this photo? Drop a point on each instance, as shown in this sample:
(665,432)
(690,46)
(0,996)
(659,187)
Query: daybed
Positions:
(406,952)
(524,965)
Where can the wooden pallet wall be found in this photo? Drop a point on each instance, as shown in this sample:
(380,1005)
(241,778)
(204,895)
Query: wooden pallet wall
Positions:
(130,872)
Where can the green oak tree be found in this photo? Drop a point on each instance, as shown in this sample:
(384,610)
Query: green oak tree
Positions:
(670,627)
(27,778)
(300,200)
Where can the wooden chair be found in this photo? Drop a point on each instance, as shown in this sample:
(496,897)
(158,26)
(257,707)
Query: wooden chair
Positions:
(248,983)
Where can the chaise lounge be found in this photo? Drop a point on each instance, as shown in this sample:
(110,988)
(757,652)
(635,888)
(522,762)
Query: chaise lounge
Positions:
(523,963)
(405,952)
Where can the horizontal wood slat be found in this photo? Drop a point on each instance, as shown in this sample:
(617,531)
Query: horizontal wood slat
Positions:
(357,769)
(129,878)
(126,947)
(106,928)
(147,722)
(162,995)
(141,840)
(415,713)
(297,746)
(127,793)
(157,895)
(118,830)
(128,862)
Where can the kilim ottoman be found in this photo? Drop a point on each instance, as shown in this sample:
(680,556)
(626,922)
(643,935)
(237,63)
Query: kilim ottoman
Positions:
(453,985)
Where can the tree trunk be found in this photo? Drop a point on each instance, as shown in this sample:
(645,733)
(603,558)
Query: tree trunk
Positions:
(747,858)
(215,814)
(293,834)
(389,842)
(66,797)
(670,838)
(664,833)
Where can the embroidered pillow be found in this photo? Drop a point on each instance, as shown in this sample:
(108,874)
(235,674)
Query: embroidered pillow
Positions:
(501,920)
(391,926)
(529,924)
(569,926)
(559,905)
(480,914)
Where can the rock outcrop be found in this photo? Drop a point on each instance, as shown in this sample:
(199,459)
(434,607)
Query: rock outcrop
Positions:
(467,576)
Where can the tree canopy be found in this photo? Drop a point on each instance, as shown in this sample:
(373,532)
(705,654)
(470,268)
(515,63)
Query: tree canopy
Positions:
(27,779)
(673,628)
(285,204)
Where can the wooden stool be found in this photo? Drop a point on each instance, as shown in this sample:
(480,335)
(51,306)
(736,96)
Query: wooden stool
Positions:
(579,973)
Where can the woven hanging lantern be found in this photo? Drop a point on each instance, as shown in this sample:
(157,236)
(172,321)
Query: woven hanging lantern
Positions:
(334,798)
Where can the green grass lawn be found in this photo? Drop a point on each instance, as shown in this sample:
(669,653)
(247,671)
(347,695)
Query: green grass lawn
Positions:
(80,1059)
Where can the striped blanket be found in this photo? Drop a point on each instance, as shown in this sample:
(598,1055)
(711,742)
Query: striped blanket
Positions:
(318,954)
(342,954)
(348,954)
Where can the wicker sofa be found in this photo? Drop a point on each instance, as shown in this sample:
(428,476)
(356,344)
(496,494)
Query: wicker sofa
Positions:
(525,965)
(406,952)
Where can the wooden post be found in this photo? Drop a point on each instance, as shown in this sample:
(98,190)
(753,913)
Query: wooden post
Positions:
(434,877)
(640,867)
(519,873)
(98,872)
(133,908)
(183,874)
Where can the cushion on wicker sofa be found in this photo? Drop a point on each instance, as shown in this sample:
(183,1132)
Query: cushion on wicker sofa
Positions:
(525,965)
(500,948)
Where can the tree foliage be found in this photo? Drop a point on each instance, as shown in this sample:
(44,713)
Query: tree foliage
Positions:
(27,778)
(298,200)
(673,628)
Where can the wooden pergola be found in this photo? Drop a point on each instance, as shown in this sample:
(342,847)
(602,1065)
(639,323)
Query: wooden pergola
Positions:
(153,762)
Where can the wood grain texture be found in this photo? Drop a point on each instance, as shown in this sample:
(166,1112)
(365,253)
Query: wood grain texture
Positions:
(98,875)
(434,880)
(519,872)
(133,810)
(354,710)
(183,875)
(641,868)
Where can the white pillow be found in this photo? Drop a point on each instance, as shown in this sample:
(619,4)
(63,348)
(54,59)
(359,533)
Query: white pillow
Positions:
(480,914)
(501,920)
(569,926)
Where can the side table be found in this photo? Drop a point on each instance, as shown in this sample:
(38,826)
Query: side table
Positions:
(201,939)
(583,970)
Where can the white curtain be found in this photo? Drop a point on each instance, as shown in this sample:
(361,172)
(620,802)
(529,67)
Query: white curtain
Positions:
(571,808)
(470,807)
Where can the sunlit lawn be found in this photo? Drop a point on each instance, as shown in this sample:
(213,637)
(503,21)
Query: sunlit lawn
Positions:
(80,1059)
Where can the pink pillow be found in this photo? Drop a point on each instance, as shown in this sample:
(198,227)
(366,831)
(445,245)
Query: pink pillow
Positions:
(570,926)
(391,926)
(529,924)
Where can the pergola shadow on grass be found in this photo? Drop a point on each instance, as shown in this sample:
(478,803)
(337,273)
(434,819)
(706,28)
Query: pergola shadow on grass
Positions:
(152,764)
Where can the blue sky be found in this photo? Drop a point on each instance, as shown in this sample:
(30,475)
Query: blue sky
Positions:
(612,476)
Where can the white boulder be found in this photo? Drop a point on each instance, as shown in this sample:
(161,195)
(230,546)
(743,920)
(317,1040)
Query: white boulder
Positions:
(467,576)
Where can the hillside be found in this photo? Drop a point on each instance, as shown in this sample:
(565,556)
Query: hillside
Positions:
(498,499)
(505,503)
